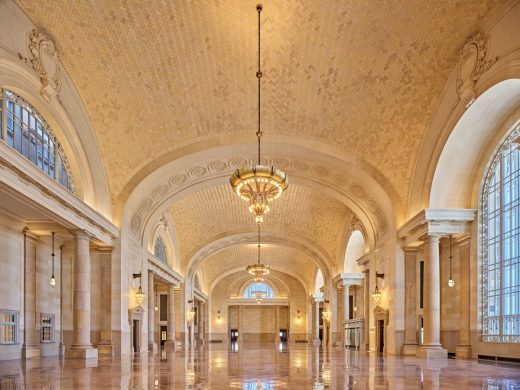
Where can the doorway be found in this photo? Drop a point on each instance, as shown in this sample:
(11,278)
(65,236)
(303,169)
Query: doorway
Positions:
(283,335)
(234,335)
(164,333)
(136,333)
(381,332)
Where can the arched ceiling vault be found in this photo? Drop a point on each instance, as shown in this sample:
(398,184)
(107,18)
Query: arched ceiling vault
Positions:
(361,77)
(282,259)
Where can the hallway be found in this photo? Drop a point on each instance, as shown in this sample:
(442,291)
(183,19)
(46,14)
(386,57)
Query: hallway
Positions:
(255,366)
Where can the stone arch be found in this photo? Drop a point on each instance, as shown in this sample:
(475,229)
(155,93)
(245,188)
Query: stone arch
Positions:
(356,248)
(74,132)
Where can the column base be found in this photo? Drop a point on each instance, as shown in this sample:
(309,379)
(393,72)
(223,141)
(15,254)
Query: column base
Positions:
(410,349)
(430,352)
(105,349)
(170,345)
(82,353)
(463,352)
(316,342)
(152,347)
(61,350)
(30,352)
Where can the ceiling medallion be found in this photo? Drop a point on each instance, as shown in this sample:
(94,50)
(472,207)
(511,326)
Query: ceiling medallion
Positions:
(258,270)
(259,184)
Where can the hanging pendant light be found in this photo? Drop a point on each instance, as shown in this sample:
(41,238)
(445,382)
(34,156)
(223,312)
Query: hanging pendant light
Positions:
(258,269)
(451,282)
(52,280)
(259,184)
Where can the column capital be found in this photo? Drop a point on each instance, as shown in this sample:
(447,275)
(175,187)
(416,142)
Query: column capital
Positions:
(81,234)
(105,248)
(349,279)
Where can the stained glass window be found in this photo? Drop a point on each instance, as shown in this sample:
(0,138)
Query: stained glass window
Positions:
(501,245)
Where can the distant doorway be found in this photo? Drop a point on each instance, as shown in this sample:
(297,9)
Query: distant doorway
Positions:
(283,335)
(381,331)
(164,333)
(136,334)
(234,335)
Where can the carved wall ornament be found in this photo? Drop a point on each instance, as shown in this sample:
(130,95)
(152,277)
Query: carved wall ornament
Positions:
(180,181)
(43,58)
(473,63)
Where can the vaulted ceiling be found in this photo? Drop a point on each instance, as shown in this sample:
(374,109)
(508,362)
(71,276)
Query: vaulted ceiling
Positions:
(355,80)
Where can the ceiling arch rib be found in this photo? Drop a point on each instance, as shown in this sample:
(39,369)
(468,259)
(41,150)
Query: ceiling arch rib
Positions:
(282,259)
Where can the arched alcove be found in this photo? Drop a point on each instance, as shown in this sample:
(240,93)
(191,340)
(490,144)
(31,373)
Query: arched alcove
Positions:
(355,250)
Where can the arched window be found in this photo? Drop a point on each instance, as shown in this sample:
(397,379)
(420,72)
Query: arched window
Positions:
(355,249)
(501,244)
(160,251)
(24,129)
(248,293)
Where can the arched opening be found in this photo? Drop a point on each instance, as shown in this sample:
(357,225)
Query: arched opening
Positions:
(320,282)
(355,250)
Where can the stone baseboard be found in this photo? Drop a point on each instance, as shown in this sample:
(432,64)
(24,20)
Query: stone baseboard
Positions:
(106,349)
(30,352)
(463,352)
(409,349)
(82,353)
(432,353)
(170,345)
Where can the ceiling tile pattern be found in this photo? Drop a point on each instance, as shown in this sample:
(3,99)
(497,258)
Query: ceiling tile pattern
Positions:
(300,212)
(361,76)
(280,258)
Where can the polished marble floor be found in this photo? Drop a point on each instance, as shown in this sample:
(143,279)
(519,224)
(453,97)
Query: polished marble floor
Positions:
(254,366)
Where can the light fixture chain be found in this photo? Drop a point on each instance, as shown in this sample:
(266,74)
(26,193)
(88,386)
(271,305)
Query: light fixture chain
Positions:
(259,77)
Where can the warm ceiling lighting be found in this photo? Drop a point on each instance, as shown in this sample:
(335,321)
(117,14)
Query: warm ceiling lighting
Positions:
(259,184)
(258,269)
(376,295)
(139,295)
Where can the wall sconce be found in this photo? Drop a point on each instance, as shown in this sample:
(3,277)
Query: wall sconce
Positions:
(218,315)
(377,294)
(191,312)
(451,282)
(298,314)
(139,295)
(52,280)
(156,308)
(326,315)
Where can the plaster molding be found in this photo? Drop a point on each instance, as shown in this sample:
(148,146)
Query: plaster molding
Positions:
(349,279)
(473,62)
(42,56)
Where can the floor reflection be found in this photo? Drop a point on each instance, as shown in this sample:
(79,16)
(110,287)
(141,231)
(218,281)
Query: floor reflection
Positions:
(255,366)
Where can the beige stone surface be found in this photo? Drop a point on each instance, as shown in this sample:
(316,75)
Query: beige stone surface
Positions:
(157,77)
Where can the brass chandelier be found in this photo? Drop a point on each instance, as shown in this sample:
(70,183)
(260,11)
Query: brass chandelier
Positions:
(258,270)
(259,184)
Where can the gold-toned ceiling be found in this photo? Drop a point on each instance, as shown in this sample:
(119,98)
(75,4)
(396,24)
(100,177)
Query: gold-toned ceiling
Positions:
(217,212)
(280,258)
(361,76)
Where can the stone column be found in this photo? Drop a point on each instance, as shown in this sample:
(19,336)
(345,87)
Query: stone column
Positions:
(464,347)
(240,320)
(277,324)
(152,345)
(105,346)
(31,340)
(81,347)
(346,313)
(431,348)
(202,321)
(170,342)
(317,340)
(410,275)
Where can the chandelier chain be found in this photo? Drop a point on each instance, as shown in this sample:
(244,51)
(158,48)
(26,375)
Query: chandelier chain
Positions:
(259,77)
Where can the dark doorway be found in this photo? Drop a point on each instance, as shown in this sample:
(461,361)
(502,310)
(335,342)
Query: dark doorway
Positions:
(234,335)
(381,325)
(283,335)
(136,335)
(164,333)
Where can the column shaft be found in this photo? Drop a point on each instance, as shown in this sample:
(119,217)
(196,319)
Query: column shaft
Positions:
(151,312)
(410,330)
(317,323)
(240,330)
(81,301)
(171,313)
(105,346)
(464,346)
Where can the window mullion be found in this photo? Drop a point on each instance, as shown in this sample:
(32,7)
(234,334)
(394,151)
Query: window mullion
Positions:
(502,243)
(4,116)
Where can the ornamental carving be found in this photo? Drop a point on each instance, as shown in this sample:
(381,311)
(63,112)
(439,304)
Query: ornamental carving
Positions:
(43,58)
(180,181)
(473,63)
